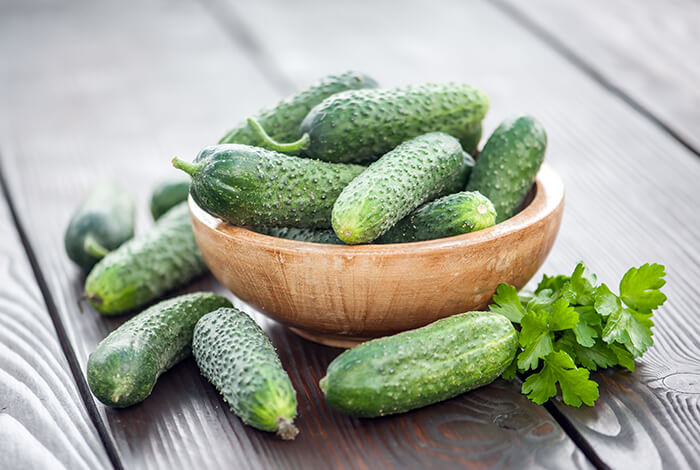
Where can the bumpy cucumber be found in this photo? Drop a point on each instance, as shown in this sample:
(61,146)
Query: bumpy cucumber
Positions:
(416,368)
(167,195)
(418,170)
(448,216)
(235,354)
(147,266)
(508,164)
(103,221)
(283,121)
(302,234)
(124,368)
(252,186)
(359,124)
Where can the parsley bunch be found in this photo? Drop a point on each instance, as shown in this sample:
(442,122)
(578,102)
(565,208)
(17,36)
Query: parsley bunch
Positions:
(569,327)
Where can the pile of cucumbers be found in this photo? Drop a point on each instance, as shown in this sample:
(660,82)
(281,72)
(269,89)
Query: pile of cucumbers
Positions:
(342,162)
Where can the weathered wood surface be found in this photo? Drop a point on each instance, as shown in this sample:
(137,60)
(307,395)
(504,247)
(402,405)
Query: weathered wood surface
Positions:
(632,192)
(98,91)
(649,51)
(43,421)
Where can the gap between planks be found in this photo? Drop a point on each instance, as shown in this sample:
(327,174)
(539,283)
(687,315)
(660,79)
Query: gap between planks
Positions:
(590,70)
(85,394)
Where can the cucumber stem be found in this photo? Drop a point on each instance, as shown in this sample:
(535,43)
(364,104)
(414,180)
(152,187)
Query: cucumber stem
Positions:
(286,429)
(300,144)
(94,248)
(188,167)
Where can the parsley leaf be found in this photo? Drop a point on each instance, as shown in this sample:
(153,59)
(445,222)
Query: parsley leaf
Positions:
(639,287)
(576,387)
(553,283)
(535,338)
(623,325)
(507,303)
(579,290)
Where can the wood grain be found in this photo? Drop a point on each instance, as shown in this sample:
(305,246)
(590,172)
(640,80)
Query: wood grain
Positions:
(103,91)
(342,295)
(43,421)
(648,52)
(631,189)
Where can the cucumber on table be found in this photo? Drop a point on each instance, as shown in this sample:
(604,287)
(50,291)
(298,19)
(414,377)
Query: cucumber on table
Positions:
(357,125)
(455,214)
(147,266)
(283,120)
(167,195)
(416,368)
(418,170)
(251,186)
(124,368)
(237,357)
(508,164)
(102,222)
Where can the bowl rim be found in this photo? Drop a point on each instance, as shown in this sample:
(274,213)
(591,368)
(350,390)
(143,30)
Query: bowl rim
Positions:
(549,195)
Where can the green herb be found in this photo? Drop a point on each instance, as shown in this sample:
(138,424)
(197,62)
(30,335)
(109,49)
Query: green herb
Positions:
(570,326)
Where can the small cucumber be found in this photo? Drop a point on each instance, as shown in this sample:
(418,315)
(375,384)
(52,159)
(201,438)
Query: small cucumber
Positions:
(416,368)
(237,357)
(251,186)
(470,142)
(124,368)
(418,170)
(167,195)
(508,164)
(355,125)
(448,216)
(102,222)
(283,120)
(146,267)
(327,236)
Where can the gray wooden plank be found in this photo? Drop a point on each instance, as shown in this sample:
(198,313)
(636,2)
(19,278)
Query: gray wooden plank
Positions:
(632,192)
(100,91)
(649,50)
(43,420)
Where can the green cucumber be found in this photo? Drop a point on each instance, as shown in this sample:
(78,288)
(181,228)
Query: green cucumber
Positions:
(418,170)
(416,368)
(283,120)
(124,368)
(327,236)
(355,125)
(102,222)
(146,267)
(508,164)
(167,195)
(237,357)
(251,186)
(455,214)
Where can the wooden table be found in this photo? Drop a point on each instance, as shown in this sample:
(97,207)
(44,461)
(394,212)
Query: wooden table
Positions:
(95,90)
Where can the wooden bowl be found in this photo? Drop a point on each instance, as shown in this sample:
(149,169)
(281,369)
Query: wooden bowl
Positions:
(340,295)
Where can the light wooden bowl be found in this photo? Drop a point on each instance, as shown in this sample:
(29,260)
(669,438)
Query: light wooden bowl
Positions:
(340,295)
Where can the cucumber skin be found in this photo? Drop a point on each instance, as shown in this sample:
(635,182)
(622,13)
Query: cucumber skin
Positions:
(508,164)
(416,368)
(356,125)
(326,236)
(237,357)
(107,215)
(282,121)
(167,195)
(418,170)
(455,214)
(124,368)
(251,186)
(147,266)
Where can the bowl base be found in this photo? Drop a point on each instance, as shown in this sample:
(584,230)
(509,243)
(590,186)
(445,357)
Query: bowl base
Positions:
(329,339)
